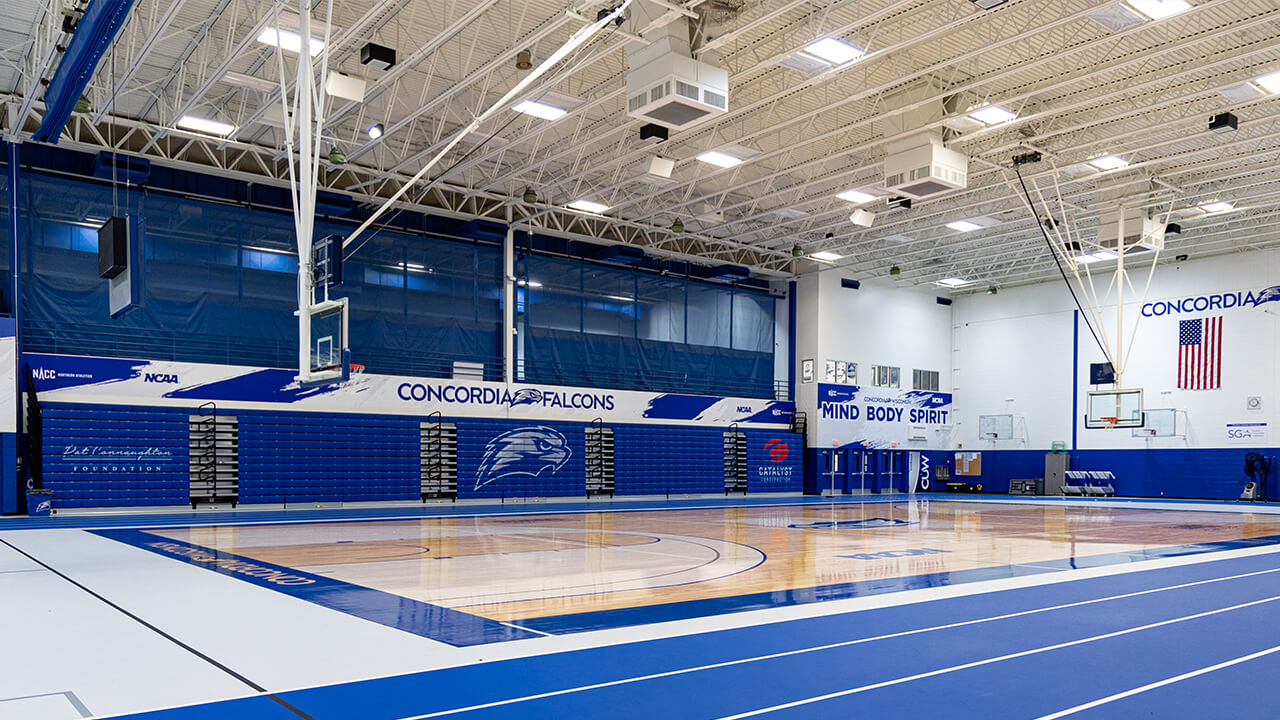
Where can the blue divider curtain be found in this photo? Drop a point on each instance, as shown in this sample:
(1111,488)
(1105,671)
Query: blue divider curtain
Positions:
(614,327)
(220,288)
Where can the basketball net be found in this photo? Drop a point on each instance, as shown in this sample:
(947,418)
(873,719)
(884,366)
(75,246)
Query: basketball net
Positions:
(1076,250)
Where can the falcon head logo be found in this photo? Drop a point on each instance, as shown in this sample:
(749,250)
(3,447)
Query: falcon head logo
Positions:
(1271,294)
(523,451)
(526,396)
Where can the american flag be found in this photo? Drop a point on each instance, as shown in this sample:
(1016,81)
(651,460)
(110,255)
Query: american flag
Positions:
(1200,353)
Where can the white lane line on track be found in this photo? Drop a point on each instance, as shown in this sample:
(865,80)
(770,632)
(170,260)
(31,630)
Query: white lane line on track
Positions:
(860,641)
(989,661)
(1159,683)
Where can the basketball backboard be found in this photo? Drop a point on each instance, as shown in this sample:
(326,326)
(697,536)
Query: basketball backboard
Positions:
(1114,409)
(328,355)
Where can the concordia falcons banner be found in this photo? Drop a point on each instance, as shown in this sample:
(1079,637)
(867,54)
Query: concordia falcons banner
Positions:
(880,417)
(66,378)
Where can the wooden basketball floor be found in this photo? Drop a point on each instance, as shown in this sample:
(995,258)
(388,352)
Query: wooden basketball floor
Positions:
(554,573)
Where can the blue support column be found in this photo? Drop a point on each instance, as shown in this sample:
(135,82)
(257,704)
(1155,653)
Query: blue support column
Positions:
(11,496)
(1075,375)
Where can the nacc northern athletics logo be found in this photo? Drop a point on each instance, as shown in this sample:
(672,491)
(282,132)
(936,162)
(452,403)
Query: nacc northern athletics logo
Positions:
(528,451)
(1216,301)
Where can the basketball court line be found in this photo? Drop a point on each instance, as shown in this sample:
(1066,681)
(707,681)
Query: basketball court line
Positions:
(979,663)
(1160,683)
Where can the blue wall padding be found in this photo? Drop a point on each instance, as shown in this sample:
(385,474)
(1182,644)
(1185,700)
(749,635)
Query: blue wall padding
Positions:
(103,455)
(652,460)
(100,455)
(1211,473)
(765,471)
(8,473)
(518,467)
(324,457)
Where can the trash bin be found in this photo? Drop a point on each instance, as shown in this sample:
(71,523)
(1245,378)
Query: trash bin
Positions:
(39,503)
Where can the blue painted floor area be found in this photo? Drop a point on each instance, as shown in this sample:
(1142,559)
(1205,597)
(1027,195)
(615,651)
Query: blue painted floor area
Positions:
(1024,652)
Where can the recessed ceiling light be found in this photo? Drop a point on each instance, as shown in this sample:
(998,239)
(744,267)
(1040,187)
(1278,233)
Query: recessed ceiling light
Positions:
(857,197)
(993,115)
(291,41)
(963,225)
(1217,206)
(1157,9)
(1094,257)
(1270,82)
(212,127)
(953,282)
(533,284)
(375,131)
(249,81)
(1109,162)
(836,52)
(539,110)
(588,206)
(826,255)
(622,298)
(719,159)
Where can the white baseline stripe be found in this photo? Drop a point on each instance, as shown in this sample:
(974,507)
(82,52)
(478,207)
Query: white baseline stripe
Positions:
(1160,683)
(860,641)
(1001,658)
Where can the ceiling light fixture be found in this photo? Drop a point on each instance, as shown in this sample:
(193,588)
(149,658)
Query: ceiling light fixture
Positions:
(1109,162)
(826,256)
(836,52)
(210,127)
(1158,9)
(588,206)
(249,81)
(857,197)
(719,159)
(1217,206)
(953,282)
(375,131)
(963,226)
(993,115)
(539,110)
(1270,82)
(290,41)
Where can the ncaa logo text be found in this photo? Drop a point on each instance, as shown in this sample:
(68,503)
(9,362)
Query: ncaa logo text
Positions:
(160,378)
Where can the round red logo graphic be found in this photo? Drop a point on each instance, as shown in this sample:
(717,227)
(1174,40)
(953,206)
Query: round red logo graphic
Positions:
(778,450)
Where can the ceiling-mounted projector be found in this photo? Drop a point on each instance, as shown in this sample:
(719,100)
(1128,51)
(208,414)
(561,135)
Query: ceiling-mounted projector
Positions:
(920,166)
(667,86)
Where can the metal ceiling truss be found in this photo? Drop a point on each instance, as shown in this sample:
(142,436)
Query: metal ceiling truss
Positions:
(1079,90)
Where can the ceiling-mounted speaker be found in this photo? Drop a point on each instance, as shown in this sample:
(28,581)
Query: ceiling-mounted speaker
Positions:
(378,57)
(661,167)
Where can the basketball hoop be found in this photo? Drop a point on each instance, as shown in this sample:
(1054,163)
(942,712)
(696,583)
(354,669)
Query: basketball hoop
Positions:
(356,368)
(1110,423)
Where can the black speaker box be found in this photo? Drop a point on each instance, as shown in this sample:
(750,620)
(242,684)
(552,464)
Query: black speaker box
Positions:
(113,247)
